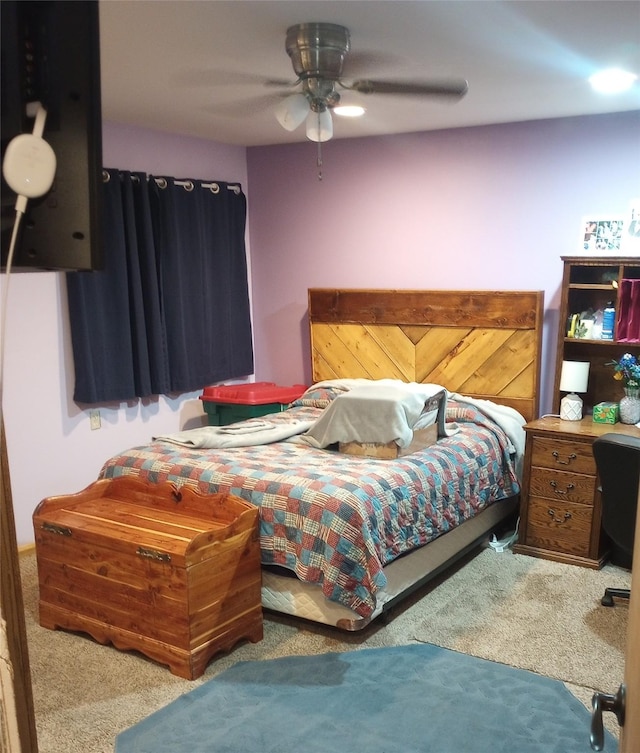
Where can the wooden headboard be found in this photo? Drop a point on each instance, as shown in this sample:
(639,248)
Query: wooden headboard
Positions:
(481,343)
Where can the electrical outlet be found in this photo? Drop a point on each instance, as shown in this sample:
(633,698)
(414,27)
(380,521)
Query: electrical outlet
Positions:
(94,419)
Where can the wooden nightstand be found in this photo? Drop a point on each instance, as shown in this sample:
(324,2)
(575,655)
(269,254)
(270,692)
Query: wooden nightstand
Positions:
(560,511)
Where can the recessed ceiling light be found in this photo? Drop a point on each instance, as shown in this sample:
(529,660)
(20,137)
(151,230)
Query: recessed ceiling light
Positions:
(612,81)
(349,111)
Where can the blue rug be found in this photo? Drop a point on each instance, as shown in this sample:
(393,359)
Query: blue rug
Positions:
(405,699)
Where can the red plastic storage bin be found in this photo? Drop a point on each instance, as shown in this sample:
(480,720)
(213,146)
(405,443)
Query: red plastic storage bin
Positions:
(229,403)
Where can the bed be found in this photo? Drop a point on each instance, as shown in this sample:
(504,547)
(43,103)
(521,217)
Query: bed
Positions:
(344,538)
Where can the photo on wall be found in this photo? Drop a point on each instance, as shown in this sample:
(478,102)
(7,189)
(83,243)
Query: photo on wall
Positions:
(630,245)
(602,237)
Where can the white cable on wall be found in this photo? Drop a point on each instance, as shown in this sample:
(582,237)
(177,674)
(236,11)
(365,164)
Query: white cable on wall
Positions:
(29,167)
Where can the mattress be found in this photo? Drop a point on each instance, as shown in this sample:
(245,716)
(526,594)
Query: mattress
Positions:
(287,595)
(336,520)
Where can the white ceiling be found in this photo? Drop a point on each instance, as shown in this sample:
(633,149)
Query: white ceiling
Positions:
(198,67)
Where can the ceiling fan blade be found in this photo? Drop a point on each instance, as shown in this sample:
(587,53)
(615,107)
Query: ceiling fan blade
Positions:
(243,107)
(280,82)
(452,89)
(358,63)
(208,77)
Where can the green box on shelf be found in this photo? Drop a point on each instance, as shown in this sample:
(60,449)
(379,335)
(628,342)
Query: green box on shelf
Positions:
(606,413)
(230,403)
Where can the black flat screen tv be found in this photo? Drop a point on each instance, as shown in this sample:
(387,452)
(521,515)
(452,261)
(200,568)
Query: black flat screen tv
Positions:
(51,53)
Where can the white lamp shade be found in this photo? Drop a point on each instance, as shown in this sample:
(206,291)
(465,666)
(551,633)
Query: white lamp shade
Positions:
(319,126)
(574,376)
(292,111)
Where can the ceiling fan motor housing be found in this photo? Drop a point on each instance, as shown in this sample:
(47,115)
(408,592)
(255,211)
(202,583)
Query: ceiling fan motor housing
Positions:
(317,50)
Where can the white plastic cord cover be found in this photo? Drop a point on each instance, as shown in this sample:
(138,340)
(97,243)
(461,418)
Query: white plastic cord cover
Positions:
(29,164)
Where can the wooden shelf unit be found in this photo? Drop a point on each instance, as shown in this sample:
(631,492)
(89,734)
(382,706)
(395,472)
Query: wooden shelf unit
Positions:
(560,510)
(590,282)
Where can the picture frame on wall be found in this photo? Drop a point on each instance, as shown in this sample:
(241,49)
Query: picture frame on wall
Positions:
(630,245)
(602,235)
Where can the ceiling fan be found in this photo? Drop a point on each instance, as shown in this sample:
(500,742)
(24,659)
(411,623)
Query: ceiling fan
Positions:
(318,52)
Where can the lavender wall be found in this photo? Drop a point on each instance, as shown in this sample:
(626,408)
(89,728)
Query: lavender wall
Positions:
(491,207)
(488,207)
(51,447)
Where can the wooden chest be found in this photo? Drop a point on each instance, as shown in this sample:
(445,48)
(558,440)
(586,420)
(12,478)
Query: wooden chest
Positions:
(171,573)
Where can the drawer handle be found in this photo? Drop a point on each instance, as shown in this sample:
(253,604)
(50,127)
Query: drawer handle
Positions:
(153,554)
(561,492)
(571,457)
(555,519)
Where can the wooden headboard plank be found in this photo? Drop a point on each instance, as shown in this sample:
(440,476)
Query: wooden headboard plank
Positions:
(485,344)
(461,308)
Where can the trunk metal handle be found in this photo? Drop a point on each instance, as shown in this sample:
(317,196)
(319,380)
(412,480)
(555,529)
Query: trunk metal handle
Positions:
(59,530)
(153,554)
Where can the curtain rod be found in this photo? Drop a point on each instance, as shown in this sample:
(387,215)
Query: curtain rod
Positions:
(188,185)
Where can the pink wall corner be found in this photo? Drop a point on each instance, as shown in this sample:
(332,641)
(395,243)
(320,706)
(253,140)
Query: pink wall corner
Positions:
(45,429)
(128,147)
(486,207)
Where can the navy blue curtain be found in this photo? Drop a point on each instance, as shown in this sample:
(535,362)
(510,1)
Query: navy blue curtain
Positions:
(170,310)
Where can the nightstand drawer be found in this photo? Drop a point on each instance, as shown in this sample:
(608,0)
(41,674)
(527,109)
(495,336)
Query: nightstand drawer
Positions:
(562,486)
(576,457)
(559,526)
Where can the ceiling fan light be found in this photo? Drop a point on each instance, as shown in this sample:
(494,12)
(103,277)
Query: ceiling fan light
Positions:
(612,81)
(349,111)
(292,111)
(319,126)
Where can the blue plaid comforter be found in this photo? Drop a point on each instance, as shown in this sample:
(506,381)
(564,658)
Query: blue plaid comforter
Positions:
(336,519)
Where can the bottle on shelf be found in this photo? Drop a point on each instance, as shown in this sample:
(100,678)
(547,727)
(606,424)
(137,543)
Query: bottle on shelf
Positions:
(608,321)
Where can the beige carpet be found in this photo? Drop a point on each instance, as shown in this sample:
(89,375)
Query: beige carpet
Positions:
(533,614)
(521,611)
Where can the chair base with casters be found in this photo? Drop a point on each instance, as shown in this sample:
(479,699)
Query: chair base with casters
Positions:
(611,593)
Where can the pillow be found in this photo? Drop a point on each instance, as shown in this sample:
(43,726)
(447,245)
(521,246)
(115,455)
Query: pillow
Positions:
(317,397)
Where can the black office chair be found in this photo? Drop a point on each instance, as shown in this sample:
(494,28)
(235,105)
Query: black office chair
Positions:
(618,461)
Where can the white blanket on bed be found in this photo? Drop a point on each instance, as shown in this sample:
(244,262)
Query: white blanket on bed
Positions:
(375,408)
(236,435)
(508,419)
(378,411)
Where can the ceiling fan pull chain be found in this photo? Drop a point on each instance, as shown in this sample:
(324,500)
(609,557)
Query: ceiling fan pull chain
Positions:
(319,160)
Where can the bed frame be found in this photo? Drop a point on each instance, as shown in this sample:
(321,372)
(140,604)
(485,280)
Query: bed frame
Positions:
(484,344)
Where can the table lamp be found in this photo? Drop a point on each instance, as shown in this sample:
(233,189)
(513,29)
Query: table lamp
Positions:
(573,379)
